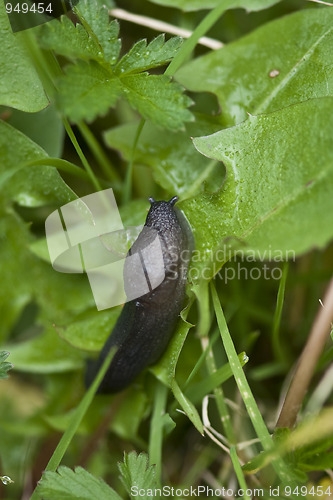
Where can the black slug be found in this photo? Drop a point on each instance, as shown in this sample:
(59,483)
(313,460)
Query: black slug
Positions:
(145,325)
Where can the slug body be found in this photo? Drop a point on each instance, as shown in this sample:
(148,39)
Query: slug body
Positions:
(146,324)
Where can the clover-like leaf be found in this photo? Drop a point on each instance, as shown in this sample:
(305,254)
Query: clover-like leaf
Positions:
(137,474)
(158,99)
(87,90)
(74,485)
(106,32)
(4,365)
(142,57)
(69,40)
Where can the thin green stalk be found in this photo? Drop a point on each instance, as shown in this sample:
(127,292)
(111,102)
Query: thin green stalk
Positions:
(129,174)
(98,152)
(156,428)
(246,393)
(200,389)
(202,28)
(80,412)
(58,163)
(220,402)
(239,473)
(201,359)
(81,155)
(276,341)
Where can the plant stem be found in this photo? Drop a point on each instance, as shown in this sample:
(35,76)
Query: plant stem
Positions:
(156,428)
(276,342)
(98,152)
(239,472)
(129,174)
(81,155)
(202,28)
(246,393)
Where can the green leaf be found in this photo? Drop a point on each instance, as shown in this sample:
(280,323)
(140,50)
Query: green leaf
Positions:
(90,329)
(46,353)
(279,168)
(164,370)
(130,413)
(21,87)
(40,249)
(45,128)
(239,73)
(136,474)
(4,365)
(307,434)
(69,40)
(198,391)
(74,485)
(26,280)
(106,32)
(320,462)
(189,5)
(142,57)
(187,406)
(31,185)
(87,90)
(176,164)
(158,99)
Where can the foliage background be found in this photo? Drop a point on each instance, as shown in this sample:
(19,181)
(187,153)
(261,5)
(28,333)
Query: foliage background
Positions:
(273,192)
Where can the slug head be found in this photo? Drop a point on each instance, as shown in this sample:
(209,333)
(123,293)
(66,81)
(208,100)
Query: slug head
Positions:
(162,214)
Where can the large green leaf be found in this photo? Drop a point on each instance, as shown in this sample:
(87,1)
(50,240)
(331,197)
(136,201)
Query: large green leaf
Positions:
(27,279)
(91,329)
(29,186)
(45,128)
(21,87)
(277,198)
(45,353)
(188,5)
(241,74)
